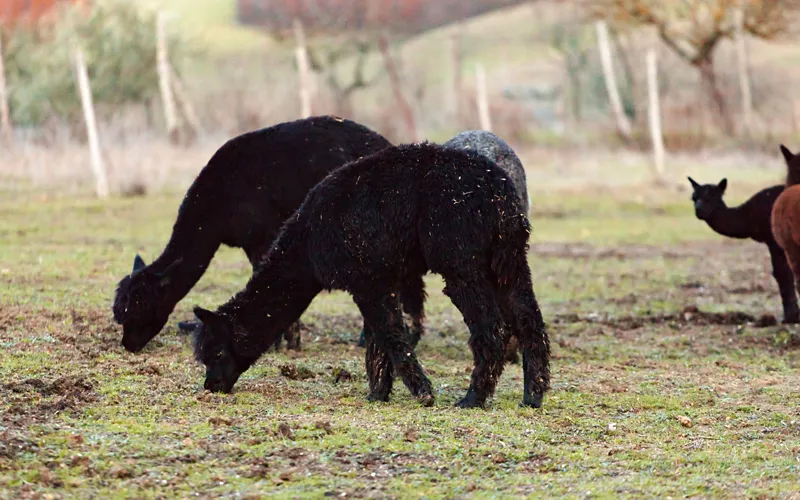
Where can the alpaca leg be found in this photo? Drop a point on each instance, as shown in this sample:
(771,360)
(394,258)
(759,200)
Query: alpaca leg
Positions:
(525,319)
(792,252)
(413,298)
(783,275)
(386,333)
(477,303)
(379,369)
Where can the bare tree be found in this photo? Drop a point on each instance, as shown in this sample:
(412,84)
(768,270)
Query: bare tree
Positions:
(331,59)
(693,29)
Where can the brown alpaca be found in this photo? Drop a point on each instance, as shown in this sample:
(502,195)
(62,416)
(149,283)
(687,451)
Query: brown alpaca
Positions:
(786,214)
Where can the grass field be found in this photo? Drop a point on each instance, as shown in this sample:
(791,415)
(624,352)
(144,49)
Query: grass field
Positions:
(649,398)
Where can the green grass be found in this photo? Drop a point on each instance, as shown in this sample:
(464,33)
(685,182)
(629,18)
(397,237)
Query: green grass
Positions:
(117,424)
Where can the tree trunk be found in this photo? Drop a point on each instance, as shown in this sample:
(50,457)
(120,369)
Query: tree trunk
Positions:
(394,78)
(714,94)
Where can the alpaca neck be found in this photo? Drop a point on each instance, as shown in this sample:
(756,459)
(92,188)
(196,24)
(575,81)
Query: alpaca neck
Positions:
(194,241)
(275,297)
(729,222)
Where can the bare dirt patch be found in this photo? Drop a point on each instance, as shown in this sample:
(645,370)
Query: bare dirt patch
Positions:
(690,315)
(37,399)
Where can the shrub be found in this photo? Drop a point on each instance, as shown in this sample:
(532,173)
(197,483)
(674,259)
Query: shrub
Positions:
(119,44)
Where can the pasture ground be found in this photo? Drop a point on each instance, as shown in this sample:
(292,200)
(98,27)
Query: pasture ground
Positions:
(650,397)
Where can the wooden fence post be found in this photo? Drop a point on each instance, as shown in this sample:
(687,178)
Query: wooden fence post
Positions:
(5,116)
(607,62)
(654,115)
(301,55)
(482,98)
(744,77)
(162,65)
(98,166)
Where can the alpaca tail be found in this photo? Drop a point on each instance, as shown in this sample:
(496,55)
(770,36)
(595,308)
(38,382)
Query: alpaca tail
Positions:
(516,297)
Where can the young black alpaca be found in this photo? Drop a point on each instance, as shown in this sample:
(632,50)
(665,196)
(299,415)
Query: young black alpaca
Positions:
(240,199)
(749,220)
(497,150)
(373,225)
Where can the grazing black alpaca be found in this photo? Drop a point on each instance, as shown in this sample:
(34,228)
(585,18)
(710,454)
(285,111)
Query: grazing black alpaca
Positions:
(240,199)
(373,225)
(497,150)
(750,220)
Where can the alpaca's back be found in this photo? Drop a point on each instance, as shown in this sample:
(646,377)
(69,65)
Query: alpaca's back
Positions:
(410,207)
(256,180)
(758,210)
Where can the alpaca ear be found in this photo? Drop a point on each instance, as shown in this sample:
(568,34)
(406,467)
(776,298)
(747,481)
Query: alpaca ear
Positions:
(206,316)
(138,264)
(722,185)
(787,155)
(695,185)
(165,276)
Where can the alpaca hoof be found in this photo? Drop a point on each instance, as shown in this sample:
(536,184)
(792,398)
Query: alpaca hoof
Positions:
(362,341)
(187,326)
(378,398)
(534,401)
(791,319)
(426,400)
(469,401)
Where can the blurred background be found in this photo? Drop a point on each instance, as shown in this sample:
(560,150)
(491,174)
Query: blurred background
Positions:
(566,83)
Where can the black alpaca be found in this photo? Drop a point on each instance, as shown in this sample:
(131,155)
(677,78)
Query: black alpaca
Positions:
(495,149)
(373,225)
(240,199)
(750,220)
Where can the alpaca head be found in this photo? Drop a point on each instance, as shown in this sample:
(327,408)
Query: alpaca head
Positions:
(214,346)
(707,198)
(792,166)
(141,304)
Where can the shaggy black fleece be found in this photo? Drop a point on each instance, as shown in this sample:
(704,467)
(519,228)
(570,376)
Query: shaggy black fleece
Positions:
(240,199)
(373,225)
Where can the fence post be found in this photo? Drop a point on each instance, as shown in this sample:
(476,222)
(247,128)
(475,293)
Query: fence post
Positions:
(654,115)
(744,77)
(301,55)
(5,118)
(482,98)
(162,65)
(98,166)
(607,62)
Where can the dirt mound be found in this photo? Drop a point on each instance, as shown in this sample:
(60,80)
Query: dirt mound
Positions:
(294,372)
